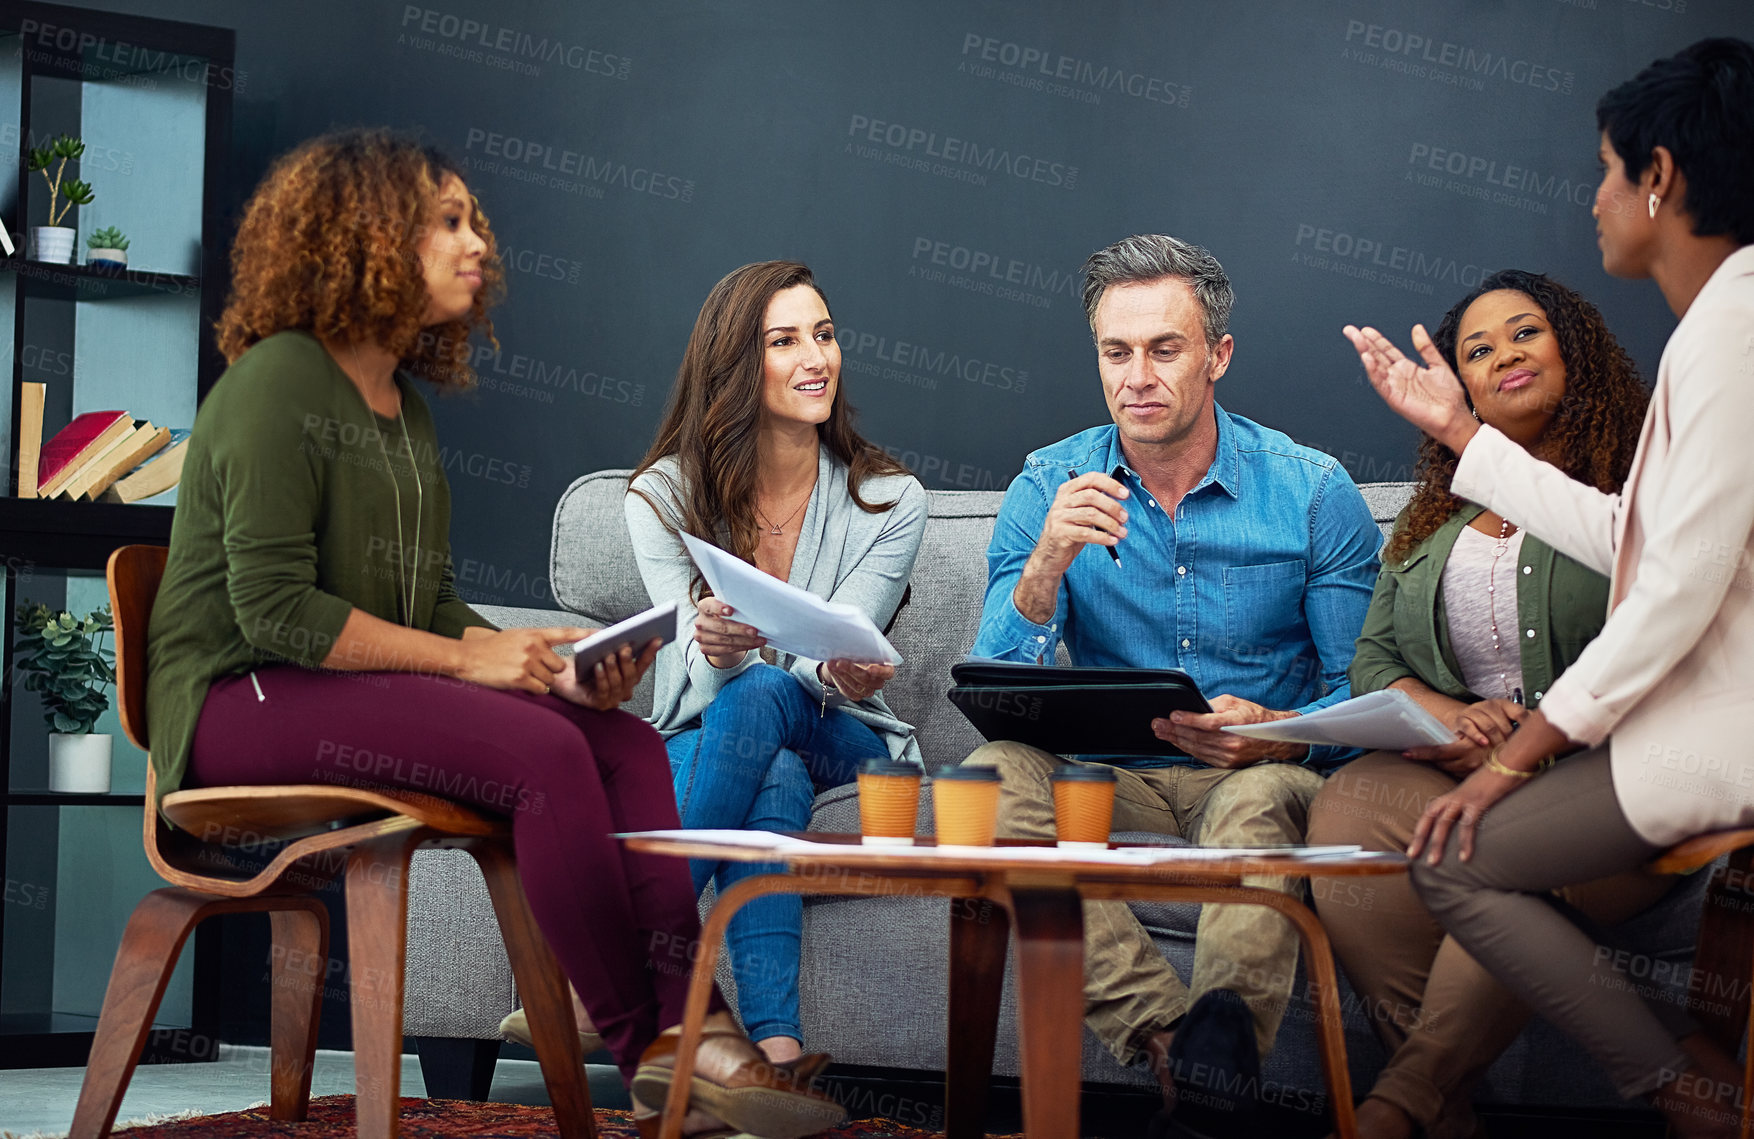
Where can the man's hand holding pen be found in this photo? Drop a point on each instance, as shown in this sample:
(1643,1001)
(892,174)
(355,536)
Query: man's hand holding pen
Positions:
(1087,510)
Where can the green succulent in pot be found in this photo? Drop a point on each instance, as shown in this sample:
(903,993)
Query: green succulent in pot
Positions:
(77,193)
(63,658)
(110,237)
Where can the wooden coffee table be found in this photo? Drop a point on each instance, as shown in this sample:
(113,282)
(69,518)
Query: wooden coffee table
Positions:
(1039,890)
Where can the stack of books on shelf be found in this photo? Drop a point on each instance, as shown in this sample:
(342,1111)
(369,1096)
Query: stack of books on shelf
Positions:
(106,455)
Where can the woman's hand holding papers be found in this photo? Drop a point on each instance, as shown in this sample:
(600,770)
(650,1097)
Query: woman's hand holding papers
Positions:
(855,681)
(722,641)
(1479,727)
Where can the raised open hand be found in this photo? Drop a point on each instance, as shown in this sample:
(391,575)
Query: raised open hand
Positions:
(1428,395)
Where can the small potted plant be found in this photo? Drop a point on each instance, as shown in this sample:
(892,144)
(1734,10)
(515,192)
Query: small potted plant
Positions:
(107,249)
(62,657)
(54,242)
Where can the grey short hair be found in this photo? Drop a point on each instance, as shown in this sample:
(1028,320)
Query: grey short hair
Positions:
(1152,257)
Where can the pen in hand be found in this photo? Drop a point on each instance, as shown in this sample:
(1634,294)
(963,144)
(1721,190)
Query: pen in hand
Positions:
(1112,551)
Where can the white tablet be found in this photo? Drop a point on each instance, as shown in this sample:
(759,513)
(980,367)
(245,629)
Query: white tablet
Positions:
(657,623)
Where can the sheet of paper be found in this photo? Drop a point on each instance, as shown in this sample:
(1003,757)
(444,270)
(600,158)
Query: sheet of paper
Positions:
(793,620)
(1387,720)
(1218,853)
(754,840)
(780,845)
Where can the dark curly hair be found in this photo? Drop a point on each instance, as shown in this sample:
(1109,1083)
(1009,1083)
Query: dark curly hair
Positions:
(1592,436)
(328,246)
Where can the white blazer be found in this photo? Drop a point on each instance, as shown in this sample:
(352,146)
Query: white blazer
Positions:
(1669,682)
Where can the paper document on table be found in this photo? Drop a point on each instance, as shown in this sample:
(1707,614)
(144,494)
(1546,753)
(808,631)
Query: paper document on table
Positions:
(1219,853)
(793,620)
(755,840)
(1386,720)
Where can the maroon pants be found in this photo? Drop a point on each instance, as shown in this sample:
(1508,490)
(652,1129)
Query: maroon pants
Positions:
(623,925)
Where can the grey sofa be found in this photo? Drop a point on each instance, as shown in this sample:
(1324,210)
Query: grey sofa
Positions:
(873,971)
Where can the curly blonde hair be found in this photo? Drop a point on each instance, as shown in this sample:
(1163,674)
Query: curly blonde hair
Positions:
(1592,436)
(328,245)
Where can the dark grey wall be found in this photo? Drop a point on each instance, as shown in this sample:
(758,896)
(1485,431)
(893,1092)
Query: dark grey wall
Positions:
(945,165)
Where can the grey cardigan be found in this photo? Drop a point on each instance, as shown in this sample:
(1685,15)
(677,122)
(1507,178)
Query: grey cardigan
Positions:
(844,554)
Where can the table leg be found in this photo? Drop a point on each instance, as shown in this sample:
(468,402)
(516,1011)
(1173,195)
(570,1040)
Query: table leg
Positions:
(1324,983)
(700,987)
(979,930)
(1050,984)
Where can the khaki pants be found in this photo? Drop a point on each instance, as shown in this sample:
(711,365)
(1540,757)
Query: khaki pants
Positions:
(1130,991)
(1441,1017)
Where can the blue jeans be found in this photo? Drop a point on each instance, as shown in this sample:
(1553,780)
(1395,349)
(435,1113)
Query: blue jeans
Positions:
(755,763)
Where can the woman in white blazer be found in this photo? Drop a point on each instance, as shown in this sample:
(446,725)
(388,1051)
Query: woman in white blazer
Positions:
(1662,702)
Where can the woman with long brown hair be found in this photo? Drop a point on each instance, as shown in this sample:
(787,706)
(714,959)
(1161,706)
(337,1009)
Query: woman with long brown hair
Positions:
(311,540)
(758,454)
(1473,619)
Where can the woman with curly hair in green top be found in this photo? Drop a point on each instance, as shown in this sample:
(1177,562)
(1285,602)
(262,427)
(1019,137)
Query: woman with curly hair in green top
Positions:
(1473,619)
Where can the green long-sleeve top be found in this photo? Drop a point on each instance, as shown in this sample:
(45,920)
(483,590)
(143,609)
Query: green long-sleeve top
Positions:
(286,521)
(1406,631)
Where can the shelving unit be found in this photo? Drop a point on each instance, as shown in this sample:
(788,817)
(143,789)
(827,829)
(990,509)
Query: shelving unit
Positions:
(152,100)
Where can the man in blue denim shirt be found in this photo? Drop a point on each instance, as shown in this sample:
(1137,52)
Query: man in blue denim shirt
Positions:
(1246,561)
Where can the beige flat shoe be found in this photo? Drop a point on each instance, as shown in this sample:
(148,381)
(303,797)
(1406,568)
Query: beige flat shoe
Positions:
(734,1082)
(516,1028)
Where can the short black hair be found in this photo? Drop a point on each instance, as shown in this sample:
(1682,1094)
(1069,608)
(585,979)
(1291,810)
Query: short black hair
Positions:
(1699,103)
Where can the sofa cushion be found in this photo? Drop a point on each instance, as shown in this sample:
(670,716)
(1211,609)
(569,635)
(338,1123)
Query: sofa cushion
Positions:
(590,566)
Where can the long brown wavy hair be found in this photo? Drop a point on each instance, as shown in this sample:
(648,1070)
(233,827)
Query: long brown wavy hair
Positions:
(713,420)
(328,245)
(1591,437)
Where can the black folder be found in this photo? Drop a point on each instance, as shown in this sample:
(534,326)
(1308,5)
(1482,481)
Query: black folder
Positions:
(1088,712)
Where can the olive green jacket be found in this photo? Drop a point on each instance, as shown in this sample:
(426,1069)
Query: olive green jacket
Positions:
(1561,606)
(290,516)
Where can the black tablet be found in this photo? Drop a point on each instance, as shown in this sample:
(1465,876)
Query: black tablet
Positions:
(1087,712)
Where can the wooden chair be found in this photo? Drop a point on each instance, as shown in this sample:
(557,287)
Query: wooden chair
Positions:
(367,835)
(1724,956)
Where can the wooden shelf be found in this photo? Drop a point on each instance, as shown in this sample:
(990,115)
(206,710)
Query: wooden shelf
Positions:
(112,79)
(78,535)
(90,283)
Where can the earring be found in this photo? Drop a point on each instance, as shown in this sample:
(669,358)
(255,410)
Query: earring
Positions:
(1476,412)
(1654,203)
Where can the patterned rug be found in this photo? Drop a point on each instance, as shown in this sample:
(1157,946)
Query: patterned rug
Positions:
(331,1117)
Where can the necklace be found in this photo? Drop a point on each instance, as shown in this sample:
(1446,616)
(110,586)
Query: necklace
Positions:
(406,585)
(1499,549)
(779,529)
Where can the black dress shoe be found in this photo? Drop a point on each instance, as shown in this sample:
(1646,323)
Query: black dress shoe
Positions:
(1217,1071)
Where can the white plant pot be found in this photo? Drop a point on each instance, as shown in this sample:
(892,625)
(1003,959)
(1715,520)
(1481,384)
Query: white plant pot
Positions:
(79,763)
(53,243)
(116,258)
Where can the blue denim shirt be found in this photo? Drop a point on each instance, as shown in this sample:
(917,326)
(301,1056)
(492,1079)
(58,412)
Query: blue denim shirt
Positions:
(1257,587)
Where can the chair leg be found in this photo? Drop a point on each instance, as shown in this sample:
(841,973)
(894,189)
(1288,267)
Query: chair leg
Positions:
(301,958)
(377,935)
(1724,958)
(150,945)
(542,985)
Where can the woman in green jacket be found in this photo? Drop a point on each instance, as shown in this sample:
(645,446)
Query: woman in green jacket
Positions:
(1473,619)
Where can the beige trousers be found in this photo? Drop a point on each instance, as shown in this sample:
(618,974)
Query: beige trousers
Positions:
(1441,1017)
(1130,991)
